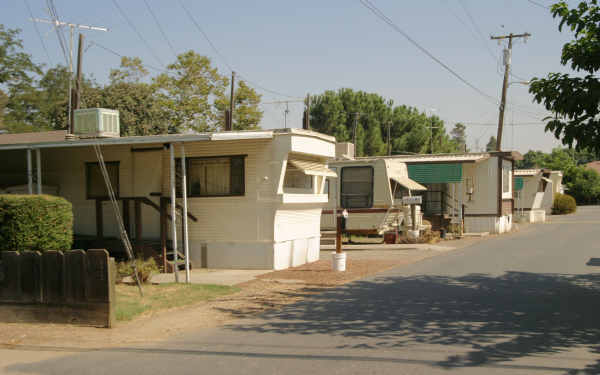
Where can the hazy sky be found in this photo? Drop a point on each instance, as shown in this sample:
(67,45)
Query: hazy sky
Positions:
(295,48)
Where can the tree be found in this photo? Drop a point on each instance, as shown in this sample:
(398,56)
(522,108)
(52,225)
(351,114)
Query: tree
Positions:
(491,145)
(336,113)
(188,93)
(246,114)
(459,135)
(574,99)
(16,66)
(531,159)
(131,71)
(583,184)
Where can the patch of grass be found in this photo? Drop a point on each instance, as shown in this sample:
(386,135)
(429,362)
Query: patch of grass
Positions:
(130,304)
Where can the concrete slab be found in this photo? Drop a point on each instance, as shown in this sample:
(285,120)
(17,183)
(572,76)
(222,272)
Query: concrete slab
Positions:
(375,246)
(211,276)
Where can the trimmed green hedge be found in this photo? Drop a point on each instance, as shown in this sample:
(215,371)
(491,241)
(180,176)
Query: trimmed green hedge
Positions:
(563,204)
(35,222)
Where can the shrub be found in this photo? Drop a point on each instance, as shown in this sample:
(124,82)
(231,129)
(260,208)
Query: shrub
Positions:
(35,222)
(563,204)
(146,268)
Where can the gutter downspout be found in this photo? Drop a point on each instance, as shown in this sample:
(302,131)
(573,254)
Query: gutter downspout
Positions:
(173,211)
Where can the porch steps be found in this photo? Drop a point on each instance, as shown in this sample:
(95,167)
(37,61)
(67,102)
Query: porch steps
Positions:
(180,260)
(328,237)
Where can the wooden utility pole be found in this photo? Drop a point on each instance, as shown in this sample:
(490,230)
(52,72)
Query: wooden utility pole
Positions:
(389,144)
(356,114)
(72,26)
(76,93)
(231,97)
(507,57)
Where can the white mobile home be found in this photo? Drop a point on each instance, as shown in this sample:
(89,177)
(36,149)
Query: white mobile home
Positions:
(371,190)
(475,189)
(533,194)
(254,197)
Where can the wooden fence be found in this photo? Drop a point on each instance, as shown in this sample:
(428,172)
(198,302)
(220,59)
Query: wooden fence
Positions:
(74,286)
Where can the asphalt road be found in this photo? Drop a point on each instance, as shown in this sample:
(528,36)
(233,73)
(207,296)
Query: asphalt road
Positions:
(521,303)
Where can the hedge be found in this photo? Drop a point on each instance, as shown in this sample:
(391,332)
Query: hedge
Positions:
(35,222)
(563,204)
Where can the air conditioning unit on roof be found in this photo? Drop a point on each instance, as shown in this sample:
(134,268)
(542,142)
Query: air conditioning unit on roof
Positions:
(96,123)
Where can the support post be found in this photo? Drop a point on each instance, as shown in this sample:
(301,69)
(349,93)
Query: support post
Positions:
(173,211)
(163,231)
(231,99)
(338,234)
(126,217)
(99,220)
(138,224)
(29,173)
(38,163)
(413,216)
(184,215)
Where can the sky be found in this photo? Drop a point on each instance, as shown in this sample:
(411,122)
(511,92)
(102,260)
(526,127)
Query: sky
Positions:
(288,49)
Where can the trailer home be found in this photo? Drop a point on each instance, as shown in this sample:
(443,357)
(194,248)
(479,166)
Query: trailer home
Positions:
(371,191)
(472,189)
(254,198)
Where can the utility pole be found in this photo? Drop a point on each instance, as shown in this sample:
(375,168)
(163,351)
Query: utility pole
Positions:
(77,92)
(306,122)
(356,114)
(72,27)
(389,148)
(231,97)
(507,57)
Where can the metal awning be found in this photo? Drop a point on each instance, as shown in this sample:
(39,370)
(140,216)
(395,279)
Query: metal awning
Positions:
(435,173)
(408,183)
(312,168)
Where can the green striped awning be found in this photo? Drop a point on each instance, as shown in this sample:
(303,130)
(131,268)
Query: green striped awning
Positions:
(518,183)
(435,173)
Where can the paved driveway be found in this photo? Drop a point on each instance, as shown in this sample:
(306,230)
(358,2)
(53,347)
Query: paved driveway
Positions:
(521,303)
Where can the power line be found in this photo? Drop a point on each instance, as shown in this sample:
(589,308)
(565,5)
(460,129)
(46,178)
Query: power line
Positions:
(160,28)
(93,43)
(224,60)
(61,37)
(539,4)
(138,33)
(378,13)
(37,30)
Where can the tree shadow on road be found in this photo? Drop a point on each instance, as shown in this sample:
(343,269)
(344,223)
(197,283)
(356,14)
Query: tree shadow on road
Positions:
(500,318)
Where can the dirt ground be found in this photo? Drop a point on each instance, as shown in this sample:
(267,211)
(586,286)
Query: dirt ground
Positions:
(269,291)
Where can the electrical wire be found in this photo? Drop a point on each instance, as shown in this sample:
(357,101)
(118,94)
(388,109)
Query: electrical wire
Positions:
(379,14)
(160,27)
(93,43)
(539,4)
(138,32)
(61,37)
(224,60)
(37,30)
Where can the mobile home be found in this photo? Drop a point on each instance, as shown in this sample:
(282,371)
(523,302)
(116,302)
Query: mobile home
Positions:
(472,189)
(254,197)
(371,191)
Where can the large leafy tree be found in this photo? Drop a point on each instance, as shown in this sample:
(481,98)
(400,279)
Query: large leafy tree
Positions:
(491,145)
(246,114)
(188,93)
(342,113)
(459,135)
(574,98)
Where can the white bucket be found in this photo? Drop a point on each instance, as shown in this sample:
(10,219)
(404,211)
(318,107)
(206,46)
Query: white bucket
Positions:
(412,234)
(338,262)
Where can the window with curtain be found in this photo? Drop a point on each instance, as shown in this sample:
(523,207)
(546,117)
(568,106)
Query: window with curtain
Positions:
(357,187)
(95,185)
(213,176)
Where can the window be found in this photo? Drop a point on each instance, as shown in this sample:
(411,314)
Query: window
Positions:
(357,187)
(213,176)
(95,185)
(505,180)
(295,178)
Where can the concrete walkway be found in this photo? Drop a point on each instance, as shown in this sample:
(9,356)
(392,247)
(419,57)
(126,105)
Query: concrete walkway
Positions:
(376,246)
(211,276)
